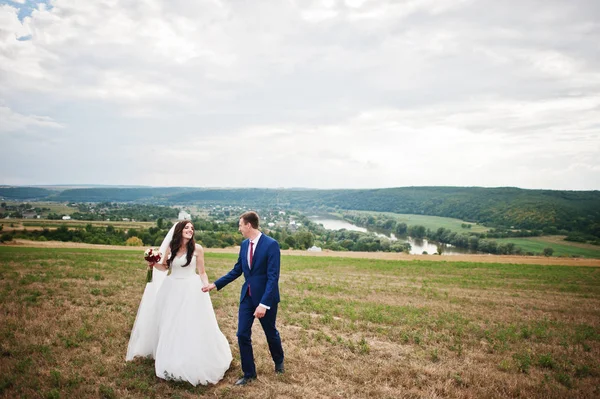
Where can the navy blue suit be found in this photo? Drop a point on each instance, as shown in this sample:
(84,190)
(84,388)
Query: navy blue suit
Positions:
(261,286)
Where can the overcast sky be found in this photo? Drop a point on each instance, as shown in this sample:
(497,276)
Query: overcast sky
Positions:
(282,93)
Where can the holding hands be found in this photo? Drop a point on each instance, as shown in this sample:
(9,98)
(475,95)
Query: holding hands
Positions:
(260,311)
(209,287)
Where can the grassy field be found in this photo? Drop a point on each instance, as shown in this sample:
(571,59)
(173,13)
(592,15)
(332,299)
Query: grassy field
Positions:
(350,328)
(33,224)
(55,207)
(429,222)
(560,247)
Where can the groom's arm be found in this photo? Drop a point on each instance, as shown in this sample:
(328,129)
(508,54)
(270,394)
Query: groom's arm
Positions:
(273,266)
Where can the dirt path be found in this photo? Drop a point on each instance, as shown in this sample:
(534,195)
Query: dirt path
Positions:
(536,260)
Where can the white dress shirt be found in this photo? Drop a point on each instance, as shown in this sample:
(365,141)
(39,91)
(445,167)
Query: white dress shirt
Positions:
(254,243)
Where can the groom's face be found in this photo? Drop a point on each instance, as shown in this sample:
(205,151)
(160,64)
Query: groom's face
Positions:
(244,228)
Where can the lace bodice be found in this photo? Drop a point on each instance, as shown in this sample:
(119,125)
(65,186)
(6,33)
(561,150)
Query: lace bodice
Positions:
(177,269)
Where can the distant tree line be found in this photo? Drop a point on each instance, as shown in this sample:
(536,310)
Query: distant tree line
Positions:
(576,213)
(17,210)
(95,211)
(117,211)
(213,234)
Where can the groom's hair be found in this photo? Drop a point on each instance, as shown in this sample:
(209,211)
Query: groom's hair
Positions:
(250,217)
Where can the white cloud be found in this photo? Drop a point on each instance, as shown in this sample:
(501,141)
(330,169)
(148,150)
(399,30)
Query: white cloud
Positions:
(330,93)
(13,121)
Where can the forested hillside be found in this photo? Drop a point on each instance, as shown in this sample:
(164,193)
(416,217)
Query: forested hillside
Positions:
(498,207)
(504,207)
(145,194)
(24,193)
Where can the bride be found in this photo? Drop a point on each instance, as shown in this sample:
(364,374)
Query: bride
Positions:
(176,323)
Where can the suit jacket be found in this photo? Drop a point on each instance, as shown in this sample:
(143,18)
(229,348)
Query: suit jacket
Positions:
(263,277)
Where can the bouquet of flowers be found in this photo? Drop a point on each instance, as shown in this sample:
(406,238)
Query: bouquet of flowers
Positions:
(151,255)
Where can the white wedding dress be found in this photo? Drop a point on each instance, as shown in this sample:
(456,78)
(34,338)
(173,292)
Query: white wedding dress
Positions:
(176,325)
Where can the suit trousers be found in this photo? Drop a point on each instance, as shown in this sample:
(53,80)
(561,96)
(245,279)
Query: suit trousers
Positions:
(244,334)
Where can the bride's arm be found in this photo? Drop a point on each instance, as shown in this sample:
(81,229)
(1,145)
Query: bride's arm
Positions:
(163,262)
(200,265)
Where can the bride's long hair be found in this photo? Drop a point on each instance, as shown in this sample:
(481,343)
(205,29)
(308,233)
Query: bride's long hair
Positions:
(178,239)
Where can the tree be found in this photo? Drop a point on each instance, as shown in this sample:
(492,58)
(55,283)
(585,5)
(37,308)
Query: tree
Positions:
(290,241)
(385,245)
(510,248)
(502,249)
(347,244)
(473,242)
(389,224)
(548,251)
(443,235)
(401,229)
(440,249)
(134,242)
(304,239)
(489,246)
(416,231)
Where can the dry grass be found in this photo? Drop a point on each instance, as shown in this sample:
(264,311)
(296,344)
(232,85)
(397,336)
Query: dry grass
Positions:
(39,224)
(479,258)
(350,328)
(558,239)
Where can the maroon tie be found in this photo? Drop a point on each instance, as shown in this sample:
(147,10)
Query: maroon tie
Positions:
(251,247)
(250,265)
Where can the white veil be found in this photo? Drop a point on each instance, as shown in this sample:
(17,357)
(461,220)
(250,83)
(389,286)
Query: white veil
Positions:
(158,276)
(144,338)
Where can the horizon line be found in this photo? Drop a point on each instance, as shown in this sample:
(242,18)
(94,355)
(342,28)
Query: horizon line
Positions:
(134,186)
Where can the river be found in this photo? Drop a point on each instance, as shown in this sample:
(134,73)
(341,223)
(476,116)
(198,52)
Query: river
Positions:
(417,246)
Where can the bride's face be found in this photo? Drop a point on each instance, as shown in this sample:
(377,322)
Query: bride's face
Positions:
(188,231)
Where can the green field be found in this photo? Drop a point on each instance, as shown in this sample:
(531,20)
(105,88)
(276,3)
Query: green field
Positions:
(357,328)
(55,207)
(536,245)
(45,223)
(429,222)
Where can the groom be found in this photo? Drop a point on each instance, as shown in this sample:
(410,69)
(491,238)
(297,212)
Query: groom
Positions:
(258,261)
